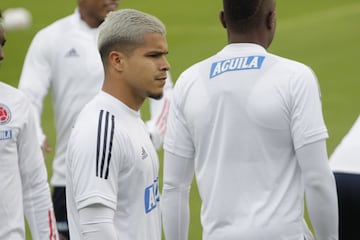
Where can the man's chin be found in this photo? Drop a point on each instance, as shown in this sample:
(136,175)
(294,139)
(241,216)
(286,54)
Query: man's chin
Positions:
(156,96)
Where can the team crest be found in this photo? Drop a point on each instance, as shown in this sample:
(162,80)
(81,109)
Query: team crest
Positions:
(5,114)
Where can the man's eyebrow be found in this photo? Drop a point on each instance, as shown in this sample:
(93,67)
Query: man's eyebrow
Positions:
(158,52)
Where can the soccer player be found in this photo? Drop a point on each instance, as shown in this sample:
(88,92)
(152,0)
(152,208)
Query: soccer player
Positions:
(249,125)
(111,164)
(345,162)
(64,58)
(23,178)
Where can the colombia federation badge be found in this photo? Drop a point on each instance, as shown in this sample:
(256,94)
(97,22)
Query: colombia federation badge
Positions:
(5,114)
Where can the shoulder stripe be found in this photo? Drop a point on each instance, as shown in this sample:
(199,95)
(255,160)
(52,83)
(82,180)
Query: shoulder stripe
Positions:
(110,145)
(104,144)
(98,143)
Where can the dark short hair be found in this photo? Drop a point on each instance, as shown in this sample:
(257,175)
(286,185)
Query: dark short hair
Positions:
(242,15)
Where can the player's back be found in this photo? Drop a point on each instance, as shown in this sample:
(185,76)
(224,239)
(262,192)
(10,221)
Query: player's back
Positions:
(239,108)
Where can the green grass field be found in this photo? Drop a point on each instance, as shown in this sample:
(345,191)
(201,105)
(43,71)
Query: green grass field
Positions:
(324,34)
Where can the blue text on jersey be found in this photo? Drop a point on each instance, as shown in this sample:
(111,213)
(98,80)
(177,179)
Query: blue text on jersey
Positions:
(5,134)
(151,196)
(236,64)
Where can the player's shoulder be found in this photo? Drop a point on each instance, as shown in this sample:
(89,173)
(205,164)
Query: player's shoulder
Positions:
(193,73)
(97,117)
(12,94)
(6,88)
(85,127)
(198,66)
(288,64)
(293,71)
(57,28)
(88,113)
(14,101)
(97,108)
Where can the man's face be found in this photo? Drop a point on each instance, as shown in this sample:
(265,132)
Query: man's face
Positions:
(96,10)
(147,66)
(2,42)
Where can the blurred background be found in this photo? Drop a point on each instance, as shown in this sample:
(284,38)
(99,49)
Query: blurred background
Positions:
(324,34)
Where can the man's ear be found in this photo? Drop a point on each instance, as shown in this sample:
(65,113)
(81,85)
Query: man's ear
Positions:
(271,20)
(117,60)
(222,18)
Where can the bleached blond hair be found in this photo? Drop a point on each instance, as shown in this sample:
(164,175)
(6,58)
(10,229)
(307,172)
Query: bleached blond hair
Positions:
(125,29)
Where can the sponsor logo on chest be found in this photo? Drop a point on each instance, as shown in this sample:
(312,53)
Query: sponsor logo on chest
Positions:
(5,134)
(151,196)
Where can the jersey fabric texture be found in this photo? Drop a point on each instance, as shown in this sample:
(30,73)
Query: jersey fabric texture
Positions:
(111,161)
(64,57)
(346,156)
(240,115)
(23,177)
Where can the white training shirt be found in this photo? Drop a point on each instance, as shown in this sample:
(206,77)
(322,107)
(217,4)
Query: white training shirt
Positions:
(346,156)
(23,177)
(111,161)
(64,57)
(236,119)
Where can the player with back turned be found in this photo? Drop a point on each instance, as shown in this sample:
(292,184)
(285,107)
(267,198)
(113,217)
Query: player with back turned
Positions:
(249,125)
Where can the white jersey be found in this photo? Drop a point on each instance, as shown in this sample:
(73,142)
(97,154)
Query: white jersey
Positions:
(111,161)
(23,177)
(64,57)
(241,115)
(346,156)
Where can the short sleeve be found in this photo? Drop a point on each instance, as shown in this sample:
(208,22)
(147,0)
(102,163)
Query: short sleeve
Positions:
(94,158)
(307,122)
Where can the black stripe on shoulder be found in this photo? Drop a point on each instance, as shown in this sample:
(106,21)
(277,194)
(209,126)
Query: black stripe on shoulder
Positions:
(110,145)
(106,126)
(98,142)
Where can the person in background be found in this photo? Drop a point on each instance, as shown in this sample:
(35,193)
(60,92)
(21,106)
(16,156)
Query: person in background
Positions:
(345,163)
(24,188)
(63,57)
(249,125)
(112,166)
